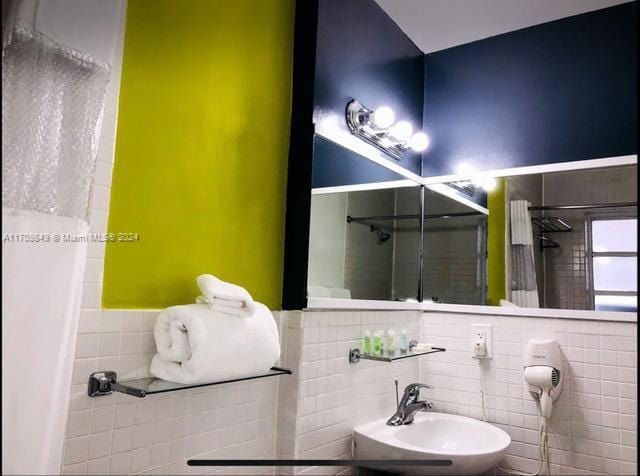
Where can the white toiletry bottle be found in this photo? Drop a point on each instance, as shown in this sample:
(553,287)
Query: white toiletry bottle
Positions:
(391,342)
(404,344)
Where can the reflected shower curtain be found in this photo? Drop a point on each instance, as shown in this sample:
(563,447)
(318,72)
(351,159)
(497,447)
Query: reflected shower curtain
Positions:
(52,105)
(524,289)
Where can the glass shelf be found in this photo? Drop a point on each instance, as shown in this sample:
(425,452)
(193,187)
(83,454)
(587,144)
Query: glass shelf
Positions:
(355,356)
(104,383)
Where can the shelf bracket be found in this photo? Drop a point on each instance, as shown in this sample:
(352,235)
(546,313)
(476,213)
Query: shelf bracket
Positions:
(101,383)
(105,382)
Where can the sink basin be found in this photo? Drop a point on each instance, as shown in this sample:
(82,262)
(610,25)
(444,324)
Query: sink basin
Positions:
(472,446)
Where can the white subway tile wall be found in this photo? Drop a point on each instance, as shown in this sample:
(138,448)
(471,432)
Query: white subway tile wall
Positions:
(121,434)
(593,427)
(328,396)
(313,412)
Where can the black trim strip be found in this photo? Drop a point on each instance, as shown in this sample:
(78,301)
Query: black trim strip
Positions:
(319,462)
(298,209)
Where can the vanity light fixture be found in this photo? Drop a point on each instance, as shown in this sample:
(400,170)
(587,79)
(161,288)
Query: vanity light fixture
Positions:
(401,131)
(379,129)
(475,180)
(469,187)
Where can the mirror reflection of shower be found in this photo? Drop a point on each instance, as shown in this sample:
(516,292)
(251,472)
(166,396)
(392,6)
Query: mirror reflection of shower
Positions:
(382,235)
(360,248)
(581,234)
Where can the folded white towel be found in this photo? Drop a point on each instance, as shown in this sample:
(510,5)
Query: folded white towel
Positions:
(224,297)
(199,345)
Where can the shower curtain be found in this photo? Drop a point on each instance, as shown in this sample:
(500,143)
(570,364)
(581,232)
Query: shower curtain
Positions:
(52,105)
(524,288)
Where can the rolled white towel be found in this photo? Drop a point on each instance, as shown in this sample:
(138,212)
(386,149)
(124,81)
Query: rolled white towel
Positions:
(224,297)
(199,345)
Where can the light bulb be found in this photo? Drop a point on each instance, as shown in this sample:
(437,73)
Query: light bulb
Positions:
(487,183)
(401,131)
(383,117)
(419,141)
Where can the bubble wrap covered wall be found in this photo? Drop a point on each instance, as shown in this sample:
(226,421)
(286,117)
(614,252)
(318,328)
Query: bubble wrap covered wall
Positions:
(52,104)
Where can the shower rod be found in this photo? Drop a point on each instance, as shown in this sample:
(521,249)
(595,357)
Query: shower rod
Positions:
(583,207)
(464,214)
(409,217)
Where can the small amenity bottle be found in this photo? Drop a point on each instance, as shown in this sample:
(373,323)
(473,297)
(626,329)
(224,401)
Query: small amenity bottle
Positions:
(377,342)
(391,342)
(366,343)
(404,344)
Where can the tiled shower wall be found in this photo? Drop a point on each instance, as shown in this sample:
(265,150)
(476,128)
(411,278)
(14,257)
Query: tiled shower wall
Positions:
(368,268)
(593,424)
(563,272)
(453,272)
(566,267)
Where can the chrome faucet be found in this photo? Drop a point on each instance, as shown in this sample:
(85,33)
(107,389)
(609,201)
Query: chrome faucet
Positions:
(410,405)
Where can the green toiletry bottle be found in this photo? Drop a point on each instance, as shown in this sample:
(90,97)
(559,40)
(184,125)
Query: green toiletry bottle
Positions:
(366,343)
(377,343)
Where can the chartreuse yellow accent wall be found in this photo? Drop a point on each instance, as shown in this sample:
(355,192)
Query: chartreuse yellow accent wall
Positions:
(201,150)
(496,244)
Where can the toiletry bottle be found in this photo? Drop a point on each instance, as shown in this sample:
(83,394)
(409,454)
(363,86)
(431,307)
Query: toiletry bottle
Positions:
(404,343)
(377,338)
(391,342)
(366,342)
(383,343)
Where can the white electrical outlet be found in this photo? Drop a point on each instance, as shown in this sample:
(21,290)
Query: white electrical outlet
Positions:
(481,341)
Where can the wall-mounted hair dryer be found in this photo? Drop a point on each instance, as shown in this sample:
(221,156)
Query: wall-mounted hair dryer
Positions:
(544,371)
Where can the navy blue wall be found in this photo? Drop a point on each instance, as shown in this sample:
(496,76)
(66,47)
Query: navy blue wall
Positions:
(334,165)
(362,54)
(557,92)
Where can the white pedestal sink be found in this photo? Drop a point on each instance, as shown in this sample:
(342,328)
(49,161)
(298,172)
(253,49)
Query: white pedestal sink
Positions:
(472,446)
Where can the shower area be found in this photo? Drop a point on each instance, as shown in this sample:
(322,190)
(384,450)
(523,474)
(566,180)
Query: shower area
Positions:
(56,62)
(359,249)
(367,245)
(583,238)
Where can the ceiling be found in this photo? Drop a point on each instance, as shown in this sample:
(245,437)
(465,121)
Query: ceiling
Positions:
(434,25)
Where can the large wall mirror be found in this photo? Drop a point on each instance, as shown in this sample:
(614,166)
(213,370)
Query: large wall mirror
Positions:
(559,240)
